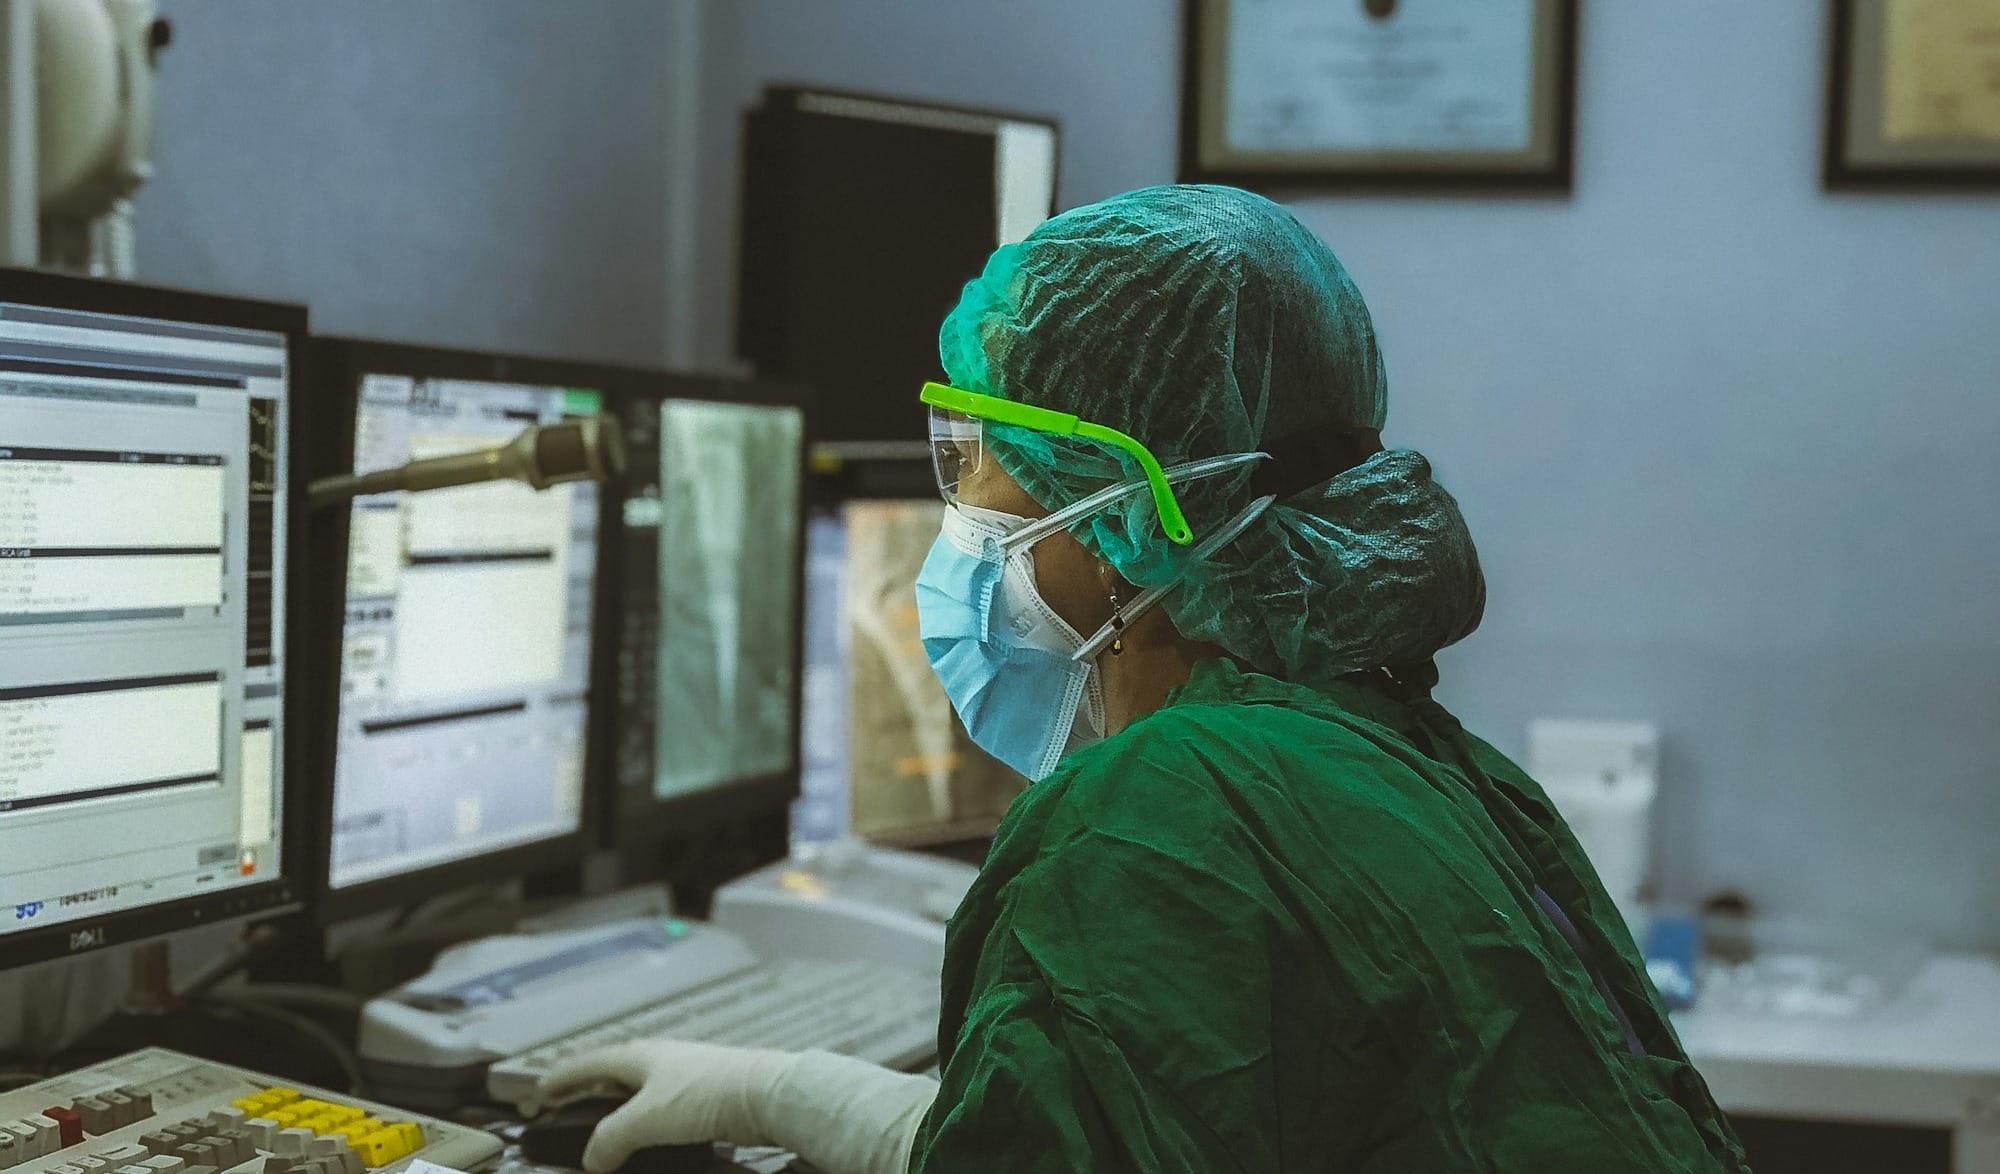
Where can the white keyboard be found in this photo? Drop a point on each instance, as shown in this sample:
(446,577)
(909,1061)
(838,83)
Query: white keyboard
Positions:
(161,1112)
(885,1016)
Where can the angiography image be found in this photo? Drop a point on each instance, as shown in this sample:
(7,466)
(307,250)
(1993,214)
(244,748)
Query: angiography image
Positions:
(729,535)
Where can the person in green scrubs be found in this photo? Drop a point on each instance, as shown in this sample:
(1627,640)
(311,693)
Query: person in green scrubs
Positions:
(1268,907)
(1265,905)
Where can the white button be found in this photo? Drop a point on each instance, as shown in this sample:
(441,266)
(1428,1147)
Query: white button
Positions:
(27,1140)
(292,1142)
(49,1133)
(124,1110)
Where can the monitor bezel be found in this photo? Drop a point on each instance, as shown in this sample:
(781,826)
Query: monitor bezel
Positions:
(632,821)
(284,893)
(337,365)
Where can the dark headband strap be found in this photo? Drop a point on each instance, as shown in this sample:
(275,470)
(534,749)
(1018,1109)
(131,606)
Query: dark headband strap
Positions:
(1300,462)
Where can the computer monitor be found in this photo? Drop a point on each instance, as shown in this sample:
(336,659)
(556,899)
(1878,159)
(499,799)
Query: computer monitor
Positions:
(888,760)
(461,742)
(145,518)
(913,195)
(709,560)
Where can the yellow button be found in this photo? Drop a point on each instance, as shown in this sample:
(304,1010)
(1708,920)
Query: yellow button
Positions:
(374,1149)
(412,1135)
(380,1147)
(270,1098)
(356,1130)
(308,1107)
(319,1123)
(287,1116)
(342,1114)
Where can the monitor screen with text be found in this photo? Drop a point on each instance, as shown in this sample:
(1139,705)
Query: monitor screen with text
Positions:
(142,531)
(465,660)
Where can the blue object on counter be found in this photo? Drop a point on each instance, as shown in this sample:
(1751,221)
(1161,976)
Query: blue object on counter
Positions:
(1673,953)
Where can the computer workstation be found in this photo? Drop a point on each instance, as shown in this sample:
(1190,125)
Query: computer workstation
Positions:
(704,689)
(429,700)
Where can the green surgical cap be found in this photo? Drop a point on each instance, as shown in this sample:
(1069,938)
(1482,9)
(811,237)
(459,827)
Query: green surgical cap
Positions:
(1206,321)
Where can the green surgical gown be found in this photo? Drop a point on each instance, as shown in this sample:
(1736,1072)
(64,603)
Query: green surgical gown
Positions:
(1281,928)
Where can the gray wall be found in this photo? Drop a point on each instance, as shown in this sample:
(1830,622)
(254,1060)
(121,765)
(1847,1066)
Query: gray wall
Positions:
(1728,443)
(481,173)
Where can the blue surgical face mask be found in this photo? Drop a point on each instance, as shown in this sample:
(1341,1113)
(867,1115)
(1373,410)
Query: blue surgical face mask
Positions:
(1006,659)
(1023,681)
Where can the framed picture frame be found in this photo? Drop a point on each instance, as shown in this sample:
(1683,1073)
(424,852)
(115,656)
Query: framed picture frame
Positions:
(1379,94)
(1911,94)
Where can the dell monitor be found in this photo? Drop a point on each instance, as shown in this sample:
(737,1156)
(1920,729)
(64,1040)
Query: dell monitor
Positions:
(709,562)
(461,741)
(145,513)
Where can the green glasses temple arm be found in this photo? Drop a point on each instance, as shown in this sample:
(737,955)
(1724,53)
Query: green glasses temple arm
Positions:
(1020,415)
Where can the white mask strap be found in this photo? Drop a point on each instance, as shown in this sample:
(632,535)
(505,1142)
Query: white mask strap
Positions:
(1145,600)
(1041,528)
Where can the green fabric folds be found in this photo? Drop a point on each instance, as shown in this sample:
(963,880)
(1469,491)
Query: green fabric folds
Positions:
(1279,928)
(1204,321)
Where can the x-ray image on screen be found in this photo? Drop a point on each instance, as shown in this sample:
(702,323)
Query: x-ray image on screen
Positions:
(915,777)
(728,606)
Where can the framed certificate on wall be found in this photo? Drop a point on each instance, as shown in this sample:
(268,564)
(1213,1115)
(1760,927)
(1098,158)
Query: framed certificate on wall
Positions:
(1913,94)
(1379,93)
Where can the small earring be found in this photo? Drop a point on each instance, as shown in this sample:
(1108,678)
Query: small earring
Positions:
(1117,627)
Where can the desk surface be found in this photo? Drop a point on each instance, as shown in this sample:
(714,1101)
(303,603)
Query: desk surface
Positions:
(1930,1057)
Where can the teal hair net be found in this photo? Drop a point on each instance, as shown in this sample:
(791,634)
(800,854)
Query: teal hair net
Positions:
(1205,321)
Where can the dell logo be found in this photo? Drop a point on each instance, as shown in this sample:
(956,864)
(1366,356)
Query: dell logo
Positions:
(86,939)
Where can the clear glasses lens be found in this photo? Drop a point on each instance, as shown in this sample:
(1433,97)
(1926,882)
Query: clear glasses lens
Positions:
(956,449)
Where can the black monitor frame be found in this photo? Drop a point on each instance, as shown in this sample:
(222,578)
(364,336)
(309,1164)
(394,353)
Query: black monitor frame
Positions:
(780,274)
(281,894)
(337,365)
(632,820)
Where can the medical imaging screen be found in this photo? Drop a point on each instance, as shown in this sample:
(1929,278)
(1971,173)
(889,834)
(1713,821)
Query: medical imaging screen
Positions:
(465,658)
(142,516)
(727,516)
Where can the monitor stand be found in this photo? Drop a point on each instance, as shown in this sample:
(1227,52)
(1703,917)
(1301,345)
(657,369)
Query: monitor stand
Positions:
(152,991)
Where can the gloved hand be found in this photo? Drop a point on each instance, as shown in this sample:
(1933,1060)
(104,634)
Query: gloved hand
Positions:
(844,1116)
(683,1093)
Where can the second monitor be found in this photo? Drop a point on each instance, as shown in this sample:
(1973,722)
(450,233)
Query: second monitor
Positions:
(462,736)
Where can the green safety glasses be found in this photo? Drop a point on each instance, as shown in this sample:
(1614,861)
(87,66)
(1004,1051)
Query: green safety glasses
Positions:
(958,419)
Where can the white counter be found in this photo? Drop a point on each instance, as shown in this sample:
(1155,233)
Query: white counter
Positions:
(1931,1058)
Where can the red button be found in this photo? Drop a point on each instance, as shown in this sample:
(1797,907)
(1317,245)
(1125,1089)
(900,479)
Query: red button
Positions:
(69,1124)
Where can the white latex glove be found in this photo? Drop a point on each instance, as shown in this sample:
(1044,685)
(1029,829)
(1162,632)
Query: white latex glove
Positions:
(844,1116)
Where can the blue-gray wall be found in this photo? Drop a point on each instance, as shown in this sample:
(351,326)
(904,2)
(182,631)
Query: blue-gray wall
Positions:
(1731,445)
(481,173)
